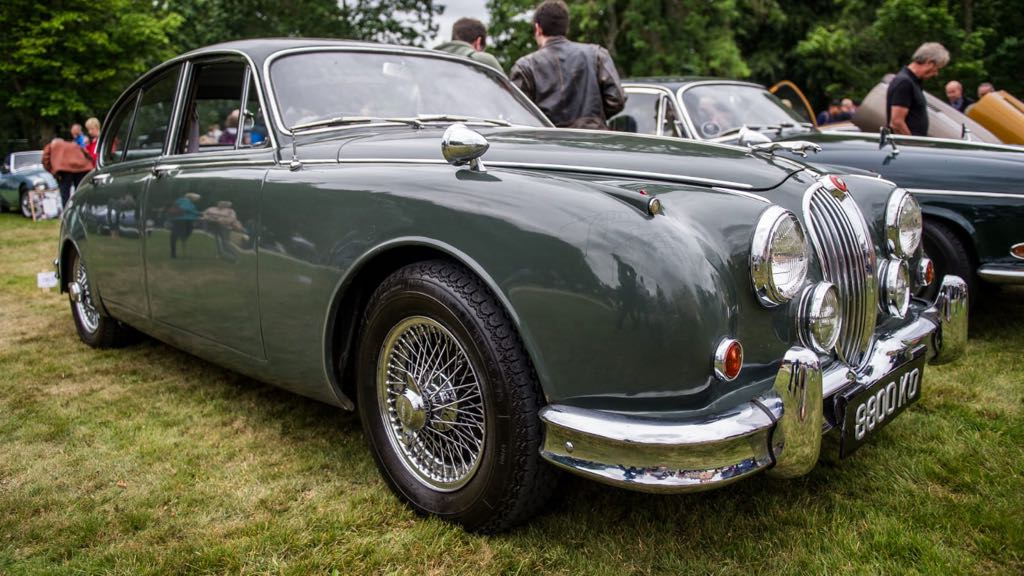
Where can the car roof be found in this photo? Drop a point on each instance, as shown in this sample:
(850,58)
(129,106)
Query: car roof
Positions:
(259,49)
(676,82)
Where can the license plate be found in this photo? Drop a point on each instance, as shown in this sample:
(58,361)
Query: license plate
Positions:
(868,410)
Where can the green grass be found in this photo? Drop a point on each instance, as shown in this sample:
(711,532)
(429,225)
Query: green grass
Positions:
(147,460)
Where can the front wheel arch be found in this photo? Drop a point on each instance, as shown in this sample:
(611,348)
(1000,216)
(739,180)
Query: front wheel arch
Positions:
(341,334)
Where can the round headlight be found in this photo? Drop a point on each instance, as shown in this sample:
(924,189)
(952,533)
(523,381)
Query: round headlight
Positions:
(895,288)
(778,257)
(820,317)
(903,224)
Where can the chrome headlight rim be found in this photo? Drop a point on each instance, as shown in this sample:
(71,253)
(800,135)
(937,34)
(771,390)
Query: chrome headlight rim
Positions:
(896,300)
(899,202)
(813,303)
(762,274)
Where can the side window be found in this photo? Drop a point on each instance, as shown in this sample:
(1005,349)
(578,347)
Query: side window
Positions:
(254,134)
(640,114)
(116,133)
(212,117)
(149,132)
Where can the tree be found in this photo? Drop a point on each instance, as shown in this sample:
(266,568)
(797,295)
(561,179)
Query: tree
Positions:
(644,37)
(67,60)
(394,21)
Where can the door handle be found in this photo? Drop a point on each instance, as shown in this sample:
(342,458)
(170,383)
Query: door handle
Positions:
(101,179)
(159,171)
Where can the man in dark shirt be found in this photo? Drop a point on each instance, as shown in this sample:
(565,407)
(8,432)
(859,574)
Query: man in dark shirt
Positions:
(905,106)
(575,84)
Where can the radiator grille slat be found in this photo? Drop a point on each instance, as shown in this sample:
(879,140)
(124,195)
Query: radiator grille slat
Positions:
(842,243)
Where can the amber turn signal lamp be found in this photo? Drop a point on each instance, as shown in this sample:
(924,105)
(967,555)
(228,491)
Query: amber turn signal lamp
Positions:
(925,272)
(1017,251)
(728,359)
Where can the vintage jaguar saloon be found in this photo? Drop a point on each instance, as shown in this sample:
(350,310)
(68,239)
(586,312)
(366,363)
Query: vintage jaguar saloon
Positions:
(400,232)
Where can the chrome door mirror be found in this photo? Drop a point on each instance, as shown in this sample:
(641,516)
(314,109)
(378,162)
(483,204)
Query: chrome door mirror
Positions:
(885,139)
(461,145)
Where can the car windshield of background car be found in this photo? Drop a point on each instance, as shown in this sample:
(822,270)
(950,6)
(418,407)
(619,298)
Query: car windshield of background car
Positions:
(718,109)
(26,159)
(316,86)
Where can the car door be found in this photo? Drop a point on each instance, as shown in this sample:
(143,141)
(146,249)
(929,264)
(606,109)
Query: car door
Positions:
(134,139)
(203,209)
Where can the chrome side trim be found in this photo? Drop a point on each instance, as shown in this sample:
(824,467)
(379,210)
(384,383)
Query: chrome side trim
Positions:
(744,194)
(933,192)
(215,163)
(872,178)
(1000,275)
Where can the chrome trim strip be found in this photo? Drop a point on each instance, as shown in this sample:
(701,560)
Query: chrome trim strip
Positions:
(744,194)
(1001,276)
(872,178)
(625,173)
(213,163)
(933,192)
(929,139)
(279,123)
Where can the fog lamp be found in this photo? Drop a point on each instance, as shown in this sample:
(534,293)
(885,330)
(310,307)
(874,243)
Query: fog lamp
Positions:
(895,288)
(728,359)
(820,320)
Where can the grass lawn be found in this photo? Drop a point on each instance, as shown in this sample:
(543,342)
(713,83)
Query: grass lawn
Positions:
(147,460)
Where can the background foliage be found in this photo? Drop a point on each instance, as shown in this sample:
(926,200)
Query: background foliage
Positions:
(67,60)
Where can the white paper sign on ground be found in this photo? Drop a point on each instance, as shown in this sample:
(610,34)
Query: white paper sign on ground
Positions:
(46,280)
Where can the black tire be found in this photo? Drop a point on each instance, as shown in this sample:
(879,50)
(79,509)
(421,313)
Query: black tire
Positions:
(486,391)
(23,200)
(94,327)
(949,256)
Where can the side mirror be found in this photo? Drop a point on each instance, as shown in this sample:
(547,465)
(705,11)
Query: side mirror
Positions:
(461,145)
(5,169)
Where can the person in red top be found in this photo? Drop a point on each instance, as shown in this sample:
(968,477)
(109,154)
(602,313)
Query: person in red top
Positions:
(92,125)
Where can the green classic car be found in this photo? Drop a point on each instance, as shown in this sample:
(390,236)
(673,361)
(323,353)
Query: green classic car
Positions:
(499,299)
(971,193)
(22,176)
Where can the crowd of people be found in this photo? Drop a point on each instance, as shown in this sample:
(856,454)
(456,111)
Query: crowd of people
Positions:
(70,160)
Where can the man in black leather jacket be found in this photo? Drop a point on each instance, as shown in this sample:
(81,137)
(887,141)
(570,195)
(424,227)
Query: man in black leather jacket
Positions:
(575,84)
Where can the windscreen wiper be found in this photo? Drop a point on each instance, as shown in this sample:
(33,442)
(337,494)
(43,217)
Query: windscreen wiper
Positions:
(456,118)
(345,120)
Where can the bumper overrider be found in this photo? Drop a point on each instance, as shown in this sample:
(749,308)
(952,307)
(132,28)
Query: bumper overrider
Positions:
(779,431)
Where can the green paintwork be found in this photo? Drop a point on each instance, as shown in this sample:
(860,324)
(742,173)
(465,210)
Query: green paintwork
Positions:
(986,217)
(617,309)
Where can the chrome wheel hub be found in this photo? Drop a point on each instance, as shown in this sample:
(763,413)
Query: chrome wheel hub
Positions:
(431,403)
(81,297)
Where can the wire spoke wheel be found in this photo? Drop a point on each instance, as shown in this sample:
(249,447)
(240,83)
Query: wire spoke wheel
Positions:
(84,306)
(430,400)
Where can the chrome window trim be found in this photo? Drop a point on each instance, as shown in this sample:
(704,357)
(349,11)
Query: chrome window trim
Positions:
(654,90)
(420,52)
(935,192)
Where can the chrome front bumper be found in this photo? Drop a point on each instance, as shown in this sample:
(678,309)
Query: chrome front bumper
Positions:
(780,430)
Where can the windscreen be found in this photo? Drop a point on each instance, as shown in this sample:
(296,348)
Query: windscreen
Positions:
(718,109)
(315,86)
(26,159)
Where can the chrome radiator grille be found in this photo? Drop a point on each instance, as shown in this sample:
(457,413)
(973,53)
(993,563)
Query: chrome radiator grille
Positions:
(847,255)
